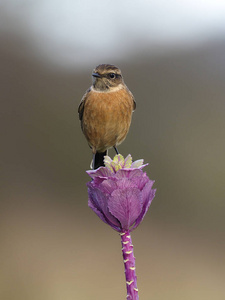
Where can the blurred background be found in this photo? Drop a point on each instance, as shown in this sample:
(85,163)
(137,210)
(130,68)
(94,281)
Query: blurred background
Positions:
(172,55)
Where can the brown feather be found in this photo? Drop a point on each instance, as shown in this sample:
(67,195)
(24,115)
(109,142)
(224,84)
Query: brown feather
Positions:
(106,118)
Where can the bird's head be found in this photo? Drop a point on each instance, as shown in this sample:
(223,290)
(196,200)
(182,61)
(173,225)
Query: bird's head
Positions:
(107,77)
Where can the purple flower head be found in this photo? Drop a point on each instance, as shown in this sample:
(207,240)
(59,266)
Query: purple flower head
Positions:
(120,193)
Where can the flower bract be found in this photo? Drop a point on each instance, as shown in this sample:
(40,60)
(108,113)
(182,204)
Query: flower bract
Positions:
(120,193)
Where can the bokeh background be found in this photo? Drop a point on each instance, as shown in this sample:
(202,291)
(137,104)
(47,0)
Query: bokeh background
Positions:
(172,55)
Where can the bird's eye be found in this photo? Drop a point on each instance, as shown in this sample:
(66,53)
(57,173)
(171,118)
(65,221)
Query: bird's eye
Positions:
(112,75)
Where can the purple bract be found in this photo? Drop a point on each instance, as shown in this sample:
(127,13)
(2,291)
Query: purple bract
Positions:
(120,193)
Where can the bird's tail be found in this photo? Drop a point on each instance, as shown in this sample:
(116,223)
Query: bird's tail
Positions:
(98,160)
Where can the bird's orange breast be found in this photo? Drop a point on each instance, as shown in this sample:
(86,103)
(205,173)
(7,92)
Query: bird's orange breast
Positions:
(106,118)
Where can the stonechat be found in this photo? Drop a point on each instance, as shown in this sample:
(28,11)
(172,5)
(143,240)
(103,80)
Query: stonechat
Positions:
(105,112)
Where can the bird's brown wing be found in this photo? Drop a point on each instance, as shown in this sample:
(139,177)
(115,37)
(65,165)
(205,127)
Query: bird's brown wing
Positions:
(82,104)
(134,102)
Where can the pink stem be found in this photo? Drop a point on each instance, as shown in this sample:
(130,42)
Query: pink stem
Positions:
(129,265)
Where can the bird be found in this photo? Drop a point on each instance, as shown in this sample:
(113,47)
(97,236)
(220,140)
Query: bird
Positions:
(105,112)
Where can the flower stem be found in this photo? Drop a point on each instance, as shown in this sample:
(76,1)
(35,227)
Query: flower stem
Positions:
(129,265)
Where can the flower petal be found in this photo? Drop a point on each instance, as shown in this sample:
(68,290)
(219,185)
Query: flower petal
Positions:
(148,195)
(137,163)
(98,202)
(125,205)
(101,172)
(139,179)
(108,186)
(134,175)
(107,162)
(128,173)
(128,161)
(124,183)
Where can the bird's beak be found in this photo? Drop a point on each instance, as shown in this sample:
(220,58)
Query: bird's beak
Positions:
(96,75)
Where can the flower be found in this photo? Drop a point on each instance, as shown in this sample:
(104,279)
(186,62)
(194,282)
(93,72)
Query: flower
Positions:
(120,193)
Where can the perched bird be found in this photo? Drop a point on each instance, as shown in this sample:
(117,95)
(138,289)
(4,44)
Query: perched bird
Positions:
(105,112)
